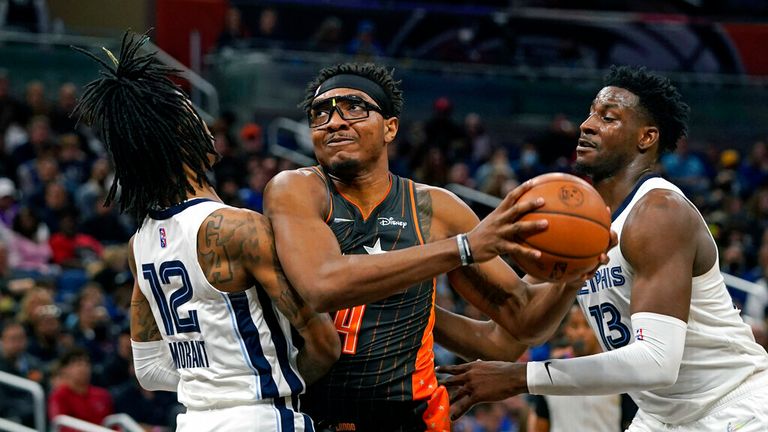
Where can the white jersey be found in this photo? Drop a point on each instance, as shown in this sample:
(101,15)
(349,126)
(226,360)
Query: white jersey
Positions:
(720,351)
(231,349)
(596,413)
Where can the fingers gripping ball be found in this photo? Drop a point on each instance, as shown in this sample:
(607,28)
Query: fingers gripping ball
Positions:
(579,227)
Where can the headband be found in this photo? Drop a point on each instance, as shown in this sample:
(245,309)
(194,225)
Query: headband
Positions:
(363,84)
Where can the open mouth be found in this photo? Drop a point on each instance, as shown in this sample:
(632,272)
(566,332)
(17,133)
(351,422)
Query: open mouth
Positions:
(583,143)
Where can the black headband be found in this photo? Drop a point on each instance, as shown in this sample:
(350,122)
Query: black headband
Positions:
(363,84)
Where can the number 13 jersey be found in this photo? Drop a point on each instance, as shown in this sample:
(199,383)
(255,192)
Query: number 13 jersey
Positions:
(720,350)
(230,349)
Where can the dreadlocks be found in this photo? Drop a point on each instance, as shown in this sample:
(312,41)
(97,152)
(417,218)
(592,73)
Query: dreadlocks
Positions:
(148,126)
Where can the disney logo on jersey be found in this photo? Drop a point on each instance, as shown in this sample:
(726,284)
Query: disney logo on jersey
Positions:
(163,238)
(392,221)
(604,278)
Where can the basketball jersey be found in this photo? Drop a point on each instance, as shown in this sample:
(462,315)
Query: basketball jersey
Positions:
(595,413)
(720,350)
(387,358)
(231,349)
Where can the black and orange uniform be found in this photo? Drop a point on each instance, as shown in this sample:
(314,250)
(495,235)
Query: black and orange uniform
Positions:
(385,379)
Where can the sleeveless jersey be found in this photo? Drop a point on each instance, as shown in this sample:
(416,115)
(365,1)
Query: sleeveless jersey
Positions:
(720,350)
(387,360)
(231,349)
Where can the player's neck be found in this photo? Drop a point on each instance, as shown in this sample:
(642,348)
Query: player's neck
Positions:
(616,188)
(366,189)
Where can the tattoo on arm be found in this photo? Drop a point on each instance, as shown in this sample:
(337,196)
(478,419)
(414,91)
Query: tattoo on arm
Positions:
(143,325)
(424,210)
(289,301)
(215,250)
(493,293)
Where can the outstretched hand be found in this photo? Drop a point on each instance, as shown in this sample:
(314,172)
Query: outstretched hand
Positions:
(482,381)
(497,234)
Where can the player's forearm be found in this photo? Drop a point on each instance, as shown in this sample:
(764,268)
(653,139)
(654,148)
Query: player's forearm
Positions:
(652,361)
(473,339)
(537,321)
(321,349)
(350,280)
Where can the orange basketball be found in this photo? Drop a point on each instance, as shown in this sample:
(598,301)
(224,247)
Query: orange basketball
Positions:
(578,232)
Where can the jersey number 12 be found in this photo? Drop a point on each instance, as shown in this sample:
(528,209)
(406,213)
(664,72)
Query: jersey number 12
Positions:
(172,322)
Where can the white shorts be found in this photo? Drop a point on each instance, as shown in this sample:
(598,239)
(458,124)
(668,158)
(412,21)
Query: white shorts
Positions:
(266,416)
(745,409)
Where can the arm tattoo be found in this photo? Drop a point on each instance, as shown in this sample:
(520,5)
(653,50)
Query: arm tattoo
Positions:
(494,294)
(215,250)
(424,210)
(289,302)
(143,324)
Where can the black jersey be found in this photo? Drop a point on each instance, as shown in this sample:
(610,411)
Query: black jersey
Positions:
(387,361)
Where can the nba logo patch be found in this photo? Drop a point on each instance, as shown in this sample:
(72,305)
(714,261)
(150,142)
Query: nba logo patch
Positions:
(163,240)
(639,334)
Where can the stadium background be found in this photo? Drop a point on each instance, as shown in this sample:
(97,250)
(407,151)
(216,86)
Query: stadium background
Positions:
(495,91)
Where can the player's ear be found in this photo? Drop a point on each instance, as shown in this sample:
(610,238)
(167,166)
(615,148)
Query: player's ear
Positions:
(649,136)
(390,129)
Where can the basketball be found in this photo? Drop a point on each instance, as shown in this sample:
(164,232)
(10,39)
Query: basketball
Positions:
(578,231)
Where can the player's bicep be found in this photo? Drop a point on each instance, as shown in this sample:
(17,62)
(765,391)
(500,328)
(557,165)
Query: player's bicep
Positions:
(297,208)
(657,240)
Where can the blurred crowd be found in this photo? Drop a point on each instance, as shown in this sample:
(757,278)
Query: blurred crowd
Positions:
(65,284)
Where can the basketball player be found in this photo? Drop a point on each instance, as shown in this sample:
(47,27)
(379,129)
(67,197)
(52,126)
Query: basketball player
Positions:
(365,244)
(211,309)
(660,309)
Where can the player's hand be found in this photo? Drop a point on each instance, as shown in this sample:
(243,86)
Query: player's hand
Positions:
(497,234)
(601,262)
(482,381)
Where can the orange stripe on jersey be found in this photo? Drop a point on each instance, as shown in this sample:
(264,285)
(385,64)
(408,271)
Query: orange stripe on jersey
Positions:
(415,215)
(423,380)
(437,415)
(366,216)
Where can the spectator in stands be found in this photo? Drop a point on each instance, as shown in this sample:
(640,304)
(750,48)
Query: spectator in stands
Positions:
(47,342)
(117,368)
(527,165)
(252,141)
(61,122)
(268,31)
(754,169)
(105,224)
(74,395)
(70,248)
(56,203)
(93,191)
(234,34)
(686,169)
(73,161)
(364,45)
(90,324)
(16,404)
(479,143)
(328,37)
(231,164)
(444,132)
(30,242)
(39,142)
(8,203)
(35,101)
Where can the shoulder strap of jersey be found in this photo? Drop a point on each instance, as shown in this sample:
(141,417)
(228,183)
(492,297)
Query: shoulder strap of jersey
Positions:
(411,185)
